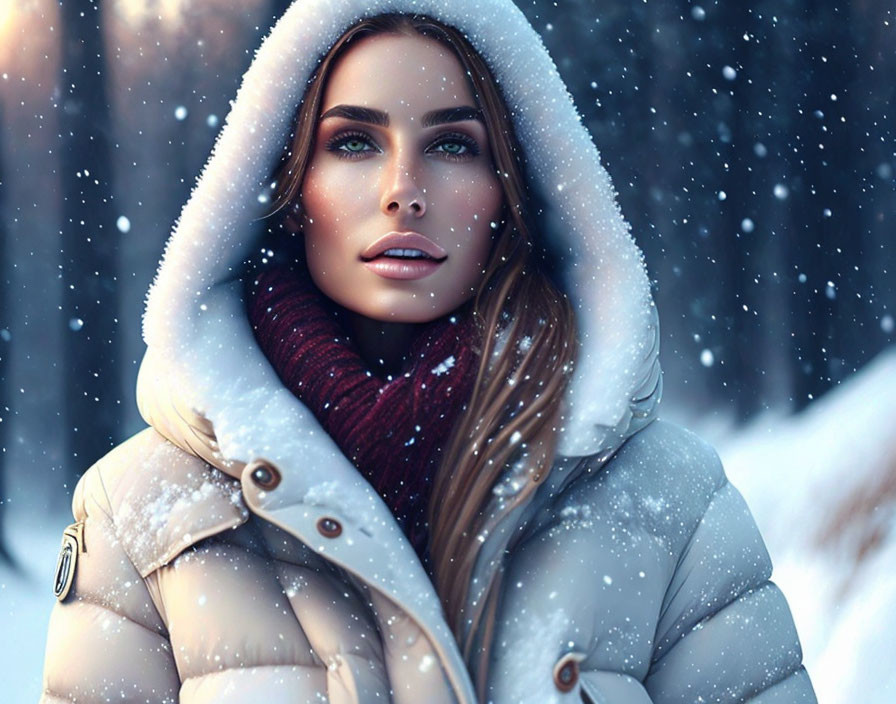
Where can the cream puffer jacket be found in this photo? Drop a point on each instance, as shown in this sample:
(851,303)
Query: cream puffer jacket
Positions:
(231,553)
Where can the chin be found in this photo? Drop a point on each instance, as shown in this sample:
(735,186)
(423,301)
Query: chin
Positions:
(397,307)
(390,306)
(402,313)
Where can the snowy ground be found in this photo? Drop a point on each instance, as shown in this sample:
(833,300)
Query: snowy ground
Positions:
(822,486)
(25,604)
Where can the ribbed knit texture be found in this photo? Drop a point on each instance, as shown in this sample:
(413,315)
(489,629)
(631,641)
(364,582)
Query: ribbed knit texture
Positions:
(394,430)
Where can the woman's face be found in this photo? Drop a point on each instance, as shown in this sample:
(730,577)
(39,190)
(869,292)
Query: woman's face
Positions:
(399,149)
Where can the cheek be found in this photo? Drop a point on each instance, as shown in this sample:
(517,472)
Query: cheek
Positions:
(318,195)
(334,201)
(480,205)
(319,217)
(328,207)
(476,202)
(486,201)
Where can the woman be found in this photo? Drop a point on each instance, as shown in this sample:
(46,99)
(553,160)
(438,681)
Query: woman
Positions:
(402,398)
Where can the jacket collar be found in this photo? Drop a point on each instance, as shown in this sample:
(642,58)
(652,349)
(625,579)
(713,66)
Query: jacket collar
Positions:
(205,385)
(257,417)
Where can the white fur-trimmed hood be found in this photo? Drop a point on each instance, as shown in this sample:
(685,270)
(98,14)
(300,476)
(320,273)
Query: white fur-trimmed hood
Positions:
(206,384)
(604,270)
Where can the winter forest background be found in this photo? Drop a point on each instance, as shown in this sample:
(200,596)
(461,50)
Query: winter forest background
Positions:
(752,146)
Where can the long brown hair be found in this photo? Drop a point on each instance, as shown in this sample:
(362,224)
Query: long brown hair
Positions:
(528,338)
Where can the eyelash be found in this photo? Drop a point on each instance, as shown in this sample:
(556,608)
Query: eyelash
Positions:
(335,143)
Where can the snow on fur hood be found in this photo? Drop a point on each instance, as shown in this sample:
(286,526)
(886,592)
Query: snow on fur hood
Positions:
(206,385)
(603,269)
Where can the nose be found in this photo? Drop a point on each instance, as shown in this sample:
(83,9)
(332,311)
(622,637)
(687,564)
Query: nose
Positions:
(402,195)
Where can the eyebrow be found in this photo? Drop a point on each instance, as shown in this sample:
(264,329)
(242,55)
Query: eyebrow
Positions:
(378,117)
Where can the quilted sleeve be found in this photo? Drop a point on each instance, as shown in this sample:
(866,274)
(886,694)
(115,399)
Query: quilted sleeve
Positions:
(106,641)
(725,632)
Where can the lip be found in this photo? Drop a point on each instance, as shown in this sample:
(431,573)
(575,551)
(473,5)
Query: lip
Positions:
(404,240)
(391,268)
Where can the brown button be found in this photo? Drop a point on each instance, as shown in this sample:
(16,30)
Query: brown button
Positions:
(329,527)
(566,672)
(264,475)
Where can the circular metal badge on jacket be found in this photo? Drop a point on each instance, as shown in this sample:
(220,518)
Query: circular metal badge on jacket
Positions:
(65,567)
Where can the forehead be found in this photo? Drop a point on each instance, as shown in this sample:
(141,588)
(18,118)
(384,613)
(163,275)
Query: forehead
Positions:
(399,74)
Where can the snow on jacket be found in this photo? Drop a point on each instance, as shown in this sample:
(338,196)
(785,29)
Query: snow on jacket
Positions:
(231,553)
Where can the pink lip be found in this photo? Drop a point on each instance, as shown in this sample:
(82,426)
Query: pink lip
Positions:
(392,268)
(404,240)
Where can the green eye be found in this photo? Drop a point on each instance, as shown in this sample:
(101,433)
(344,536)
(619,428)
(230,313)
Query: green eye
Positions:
(356,142)
(349,146)
(457,146)
(354,145)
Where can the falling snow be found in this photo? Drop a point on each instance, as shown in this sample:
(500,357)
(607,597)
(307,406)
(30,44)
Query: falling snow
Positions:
(752,165)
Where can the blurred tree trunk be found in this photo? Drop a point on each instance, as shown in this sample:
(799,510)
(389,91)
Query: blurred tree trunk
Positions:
(739,213)
(877,62)
(5,347)
(757,217)
(822,255)
(871,289)
(89,243)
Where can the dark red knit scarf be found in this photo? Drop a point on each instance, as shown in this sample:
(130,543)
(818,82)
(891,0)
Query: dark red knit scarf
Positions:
(392,430)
